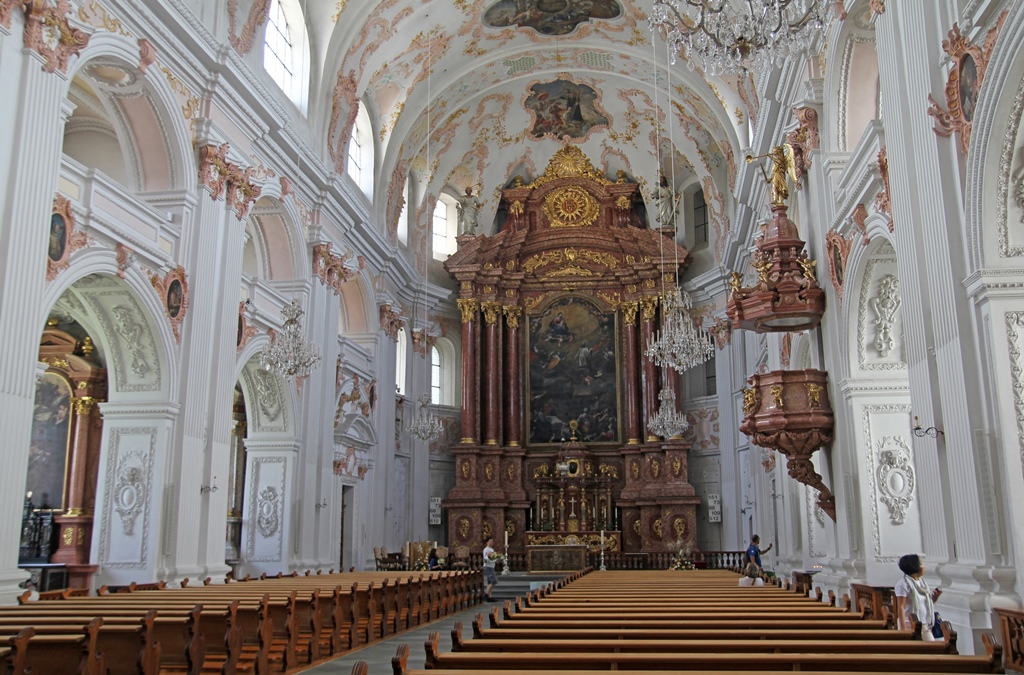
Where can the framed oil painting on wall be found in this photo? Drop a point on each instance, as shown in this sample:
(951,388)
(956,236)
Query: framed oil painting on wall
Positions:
(573,373)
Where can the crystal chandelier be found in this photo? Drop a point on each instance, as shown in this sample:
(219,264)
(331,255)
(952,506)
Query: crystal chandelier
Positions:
(679,344)
(426,426)
(732,36)
(288,354)
(667,422)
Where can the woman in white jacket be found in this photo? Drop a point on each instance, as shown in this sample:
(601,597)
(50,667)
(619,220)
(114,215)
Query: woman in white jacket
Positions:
(914,597)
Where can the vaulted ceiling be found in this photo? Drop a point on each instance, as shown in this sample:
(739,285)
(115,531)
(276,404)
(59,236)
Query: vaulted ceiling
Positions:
(501,84)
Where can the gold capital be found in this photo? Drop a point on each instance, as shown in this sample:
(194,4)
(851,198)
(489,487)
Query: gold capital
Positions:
(629,312)
(83,405)
(492,310)
(512,314)
(468,307)
(649,304)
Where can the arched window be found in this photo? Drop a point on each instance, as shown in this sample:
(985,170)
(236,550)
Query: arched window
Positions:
(400,361)
(442,373)
(435,376)
(285,50)
(444,226)
(360,152)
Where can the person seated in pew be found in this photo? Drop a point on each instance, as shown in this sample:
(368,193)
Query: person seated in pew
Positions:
(751,576)
(432,561)
(914,597)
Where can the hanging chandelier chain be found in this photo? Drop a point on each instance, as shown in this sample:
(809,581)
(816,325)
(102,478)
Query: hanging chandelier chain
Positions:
(732,36)
(288,354)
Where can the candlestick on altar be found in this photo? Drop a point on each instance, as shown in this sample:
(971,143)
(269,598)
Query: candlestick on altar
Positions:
(506,569)
(603,568)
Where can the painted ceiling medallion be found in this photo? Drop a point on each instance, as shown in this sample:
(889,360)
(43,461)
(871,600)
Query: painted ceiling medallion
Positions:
(563,109)
(549,17)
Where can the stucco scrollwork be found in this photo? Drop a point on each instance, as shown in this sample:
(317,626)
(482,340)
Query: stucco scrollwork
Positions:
(268,512)
(132,331)
(885,307)
(267,394)
(895,476)
(129,493)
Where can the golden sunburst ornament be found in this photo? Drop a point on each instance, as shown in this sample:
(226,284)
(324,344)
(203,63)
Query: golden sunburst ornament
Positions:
(571,207)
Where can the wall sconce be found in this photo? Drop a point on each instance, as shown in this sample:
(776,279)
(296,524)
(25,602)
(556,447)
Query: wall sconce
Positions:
(930,431)
(208,489)
(321,505)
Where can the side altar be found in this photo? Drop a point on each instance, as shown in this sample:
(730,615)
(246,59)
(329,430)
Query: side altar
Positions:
(556,309)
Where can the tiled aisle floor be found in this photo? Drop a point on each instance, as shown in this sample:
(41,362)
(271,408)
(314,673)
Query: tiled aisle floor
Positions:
(378,654)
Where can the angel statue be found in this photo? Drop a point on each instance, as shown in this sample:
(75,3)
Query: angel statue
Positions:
(783,162)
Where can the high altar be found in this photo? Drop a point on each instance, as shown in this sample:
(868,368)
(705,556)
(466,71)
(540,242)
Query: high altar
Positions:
(557,308)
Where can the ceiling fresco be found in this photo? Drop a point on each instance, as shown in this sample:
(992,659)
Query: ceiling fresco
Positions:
(563,109)
(501,85)
(549,17)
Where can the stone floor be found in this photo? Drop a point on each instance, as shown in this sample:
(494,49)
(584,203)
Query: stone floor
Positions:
(378,654)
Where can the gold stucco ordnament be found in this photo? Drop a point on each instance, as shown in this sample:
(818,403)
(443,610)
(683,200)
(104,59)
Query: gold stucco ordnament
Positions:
(571,206)
(570,162)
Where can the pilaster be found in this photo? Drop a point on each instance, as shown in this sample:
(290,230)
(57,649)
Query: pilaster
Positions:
(30,159)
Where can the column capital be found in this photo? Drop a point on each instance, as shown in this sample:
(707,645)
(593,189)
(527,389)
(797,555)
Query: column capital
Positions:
(83,405)
(649,306)
(492,311)
(468,307)
(512,315)
(629,310)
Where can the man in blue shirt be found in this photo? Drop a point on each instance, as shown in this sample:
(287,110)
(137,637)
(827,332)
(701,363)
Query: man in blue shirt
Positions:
(754,553)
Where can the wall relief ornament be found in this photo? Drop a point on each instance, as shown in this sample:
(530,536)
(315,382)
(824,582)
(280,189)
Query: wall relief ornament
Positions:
(129,492)
(964,82)
(885,307)
(882,202)
(125,258)
(131,331)
(895,476)
(330,268)
(227,178)
(7,8)
(860,217)
(268,512)
(721,331)
(245,330)
(838,249)
(173,291)
(390,322)
(64,237)
(258,13)
(1015,321)
(49,33)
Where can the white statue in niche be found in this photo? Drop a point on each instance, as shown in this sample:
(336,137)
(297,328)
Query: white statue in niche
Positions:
(468,209)
(666,202)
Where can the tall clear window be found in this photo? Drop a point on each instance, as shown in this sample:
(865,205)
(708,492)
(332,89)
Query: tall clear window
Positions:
(444,226)
(700,219)
(285,55)
(355,157)
(435,376)
(400,357)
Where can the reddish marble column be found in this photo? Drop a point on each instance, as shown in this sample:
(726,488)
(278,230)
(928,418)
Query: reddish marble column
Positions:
(76,523)
(79,455)
(631,390)
(648,310)
(514,387)
(492,380)
(470,376)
